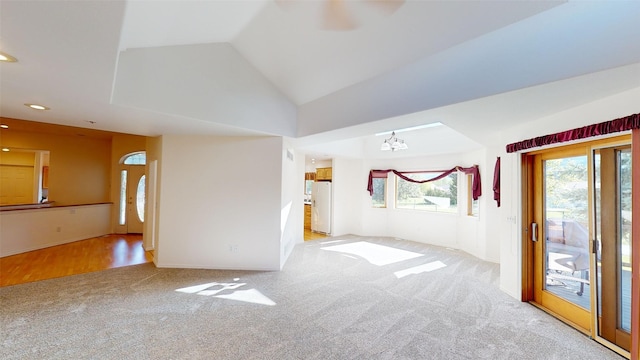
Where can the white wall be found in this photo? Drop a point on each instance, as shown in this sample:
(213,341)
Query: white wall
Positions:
(27,230)
(219,204)
(353,212)
(151,225)
(508,220)
(347,200)
(291,206)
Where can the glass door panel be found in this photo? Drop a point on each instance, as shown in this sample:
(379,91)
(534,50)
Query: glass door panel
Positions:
(566,222)
(612,169)
(560,234)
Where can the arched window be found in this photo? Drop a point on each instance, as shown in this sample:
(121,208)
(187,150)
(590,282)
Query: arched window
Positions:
(136,158)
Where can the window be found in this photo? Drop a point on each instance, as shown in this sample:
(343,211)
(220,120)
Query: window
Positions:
(122,218)
(378,198)
(440,195)
(139,158)
(140,198)
(472,205)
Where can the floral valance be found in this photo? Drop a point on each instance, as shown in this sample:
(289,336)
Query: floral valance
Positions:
(476,186)
(608,127)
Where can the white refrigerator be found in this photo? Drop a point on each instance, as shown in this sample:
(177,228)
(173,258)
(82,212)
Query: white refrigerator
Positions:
(321,207)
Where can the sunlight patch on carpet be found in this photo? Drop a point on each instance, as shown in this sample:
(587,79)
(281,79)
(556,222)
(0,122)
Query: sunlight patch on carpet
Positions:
(434,265)
(379,255)
(249,295)
(229,291)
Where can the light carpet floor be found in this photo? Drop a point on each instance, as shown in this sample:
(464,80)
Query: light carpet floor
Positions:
(337,298)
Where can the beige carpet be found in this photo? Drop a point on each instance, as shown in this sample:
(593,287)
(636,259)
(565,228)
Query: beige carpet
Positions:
(337,298)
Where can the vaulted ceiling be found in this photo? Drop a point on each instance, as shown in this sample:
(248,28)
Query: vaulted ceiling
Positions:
(271,67)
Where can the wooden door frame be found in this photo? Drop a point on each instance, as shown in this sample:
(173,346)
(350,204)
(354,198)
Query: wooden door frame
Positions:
(635,236)
(527,217)
(527,246)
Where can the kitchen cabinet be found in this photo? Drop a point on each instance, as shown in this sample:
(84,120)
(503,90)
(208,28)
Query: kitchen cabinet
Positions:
(307,216)
(323,174)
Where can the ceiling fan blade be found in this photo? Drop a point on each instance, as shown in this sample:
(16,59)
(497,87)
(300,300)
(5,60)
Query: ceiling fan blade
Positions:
(387,6)
(337,17)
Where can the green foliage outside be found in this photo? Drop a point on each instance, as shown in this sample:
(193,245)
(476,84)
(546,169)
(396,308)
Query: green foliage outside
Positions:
(379,190)
(413,196)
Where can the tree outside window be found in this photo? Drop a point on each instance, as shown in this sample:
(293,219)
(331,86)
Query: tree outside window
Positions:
(378,198)
(439,196)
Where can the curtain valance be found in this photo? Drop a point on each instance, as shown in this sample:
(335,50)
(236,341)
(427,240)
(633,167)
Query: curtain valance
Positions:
(476,186)
(608,127)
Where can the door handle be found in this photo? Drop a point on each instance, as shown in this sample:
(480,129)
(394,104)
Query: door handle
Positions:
(534,232)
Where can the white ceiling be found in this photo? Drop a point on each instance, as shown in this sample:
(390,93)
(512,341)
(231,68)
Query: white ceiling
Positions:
(408,68)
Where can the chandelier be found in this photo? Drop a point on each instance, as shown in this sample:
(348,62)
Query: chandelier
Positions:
(393,143)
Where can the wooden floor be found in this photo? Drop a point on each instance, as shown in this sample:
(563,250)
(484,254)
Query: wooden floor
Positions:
(106,252)
(101,253)
(310,235)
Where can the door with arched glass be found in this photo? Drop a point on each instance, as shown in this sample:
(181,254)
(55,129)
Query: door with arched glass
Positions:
(132,192)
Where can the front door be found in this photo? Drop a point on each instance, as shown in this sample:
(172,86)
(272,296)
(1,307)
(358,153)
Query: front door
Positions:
(132,199)
(135,199)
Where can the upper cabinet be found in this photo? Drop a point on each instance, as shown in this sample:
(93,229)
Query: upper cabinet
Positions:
(323,174)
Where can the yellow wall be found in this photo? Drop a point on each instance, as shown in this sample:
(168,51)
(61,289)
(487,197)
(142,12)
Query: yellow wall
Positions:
(20,158)
(80,166)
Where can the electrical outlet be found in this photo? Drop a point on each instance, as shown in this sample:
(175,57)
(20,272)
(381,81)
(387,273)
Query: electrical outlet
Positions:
(58,229)
(233,248)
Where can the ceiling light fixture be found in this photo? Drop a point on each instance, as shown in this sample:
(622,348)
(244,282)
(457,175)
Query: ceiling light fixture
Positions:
(7,58)
(37,106)
(393,143)
(4,126)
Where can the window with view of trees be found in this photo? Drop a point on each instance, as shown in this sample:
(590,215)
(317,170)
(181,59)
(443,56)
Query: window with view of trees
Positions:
(440,195)
(378,199)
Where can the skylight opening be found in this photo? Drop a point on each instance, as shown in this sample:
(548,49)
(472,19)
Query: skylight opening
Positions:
(412,128)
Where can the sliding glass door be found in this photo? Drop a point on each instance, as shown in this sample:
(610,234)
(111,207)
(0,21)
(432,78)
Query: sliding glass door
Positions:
(612,168)
(579,237)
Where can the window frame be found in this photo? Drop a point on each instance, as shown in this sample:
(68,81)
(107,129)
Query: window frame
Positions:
(453,211)
(473,206)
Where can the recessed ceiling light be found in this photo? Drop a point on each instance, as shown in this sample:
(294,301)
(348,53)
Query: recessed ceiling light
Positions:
(37,106)
(7,58)
(5,149)
(4,126)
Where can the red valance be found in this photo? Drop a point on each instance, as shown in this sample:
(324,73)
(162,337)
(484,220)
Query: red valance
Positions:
(476,186)
(496,182)
(608,127)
